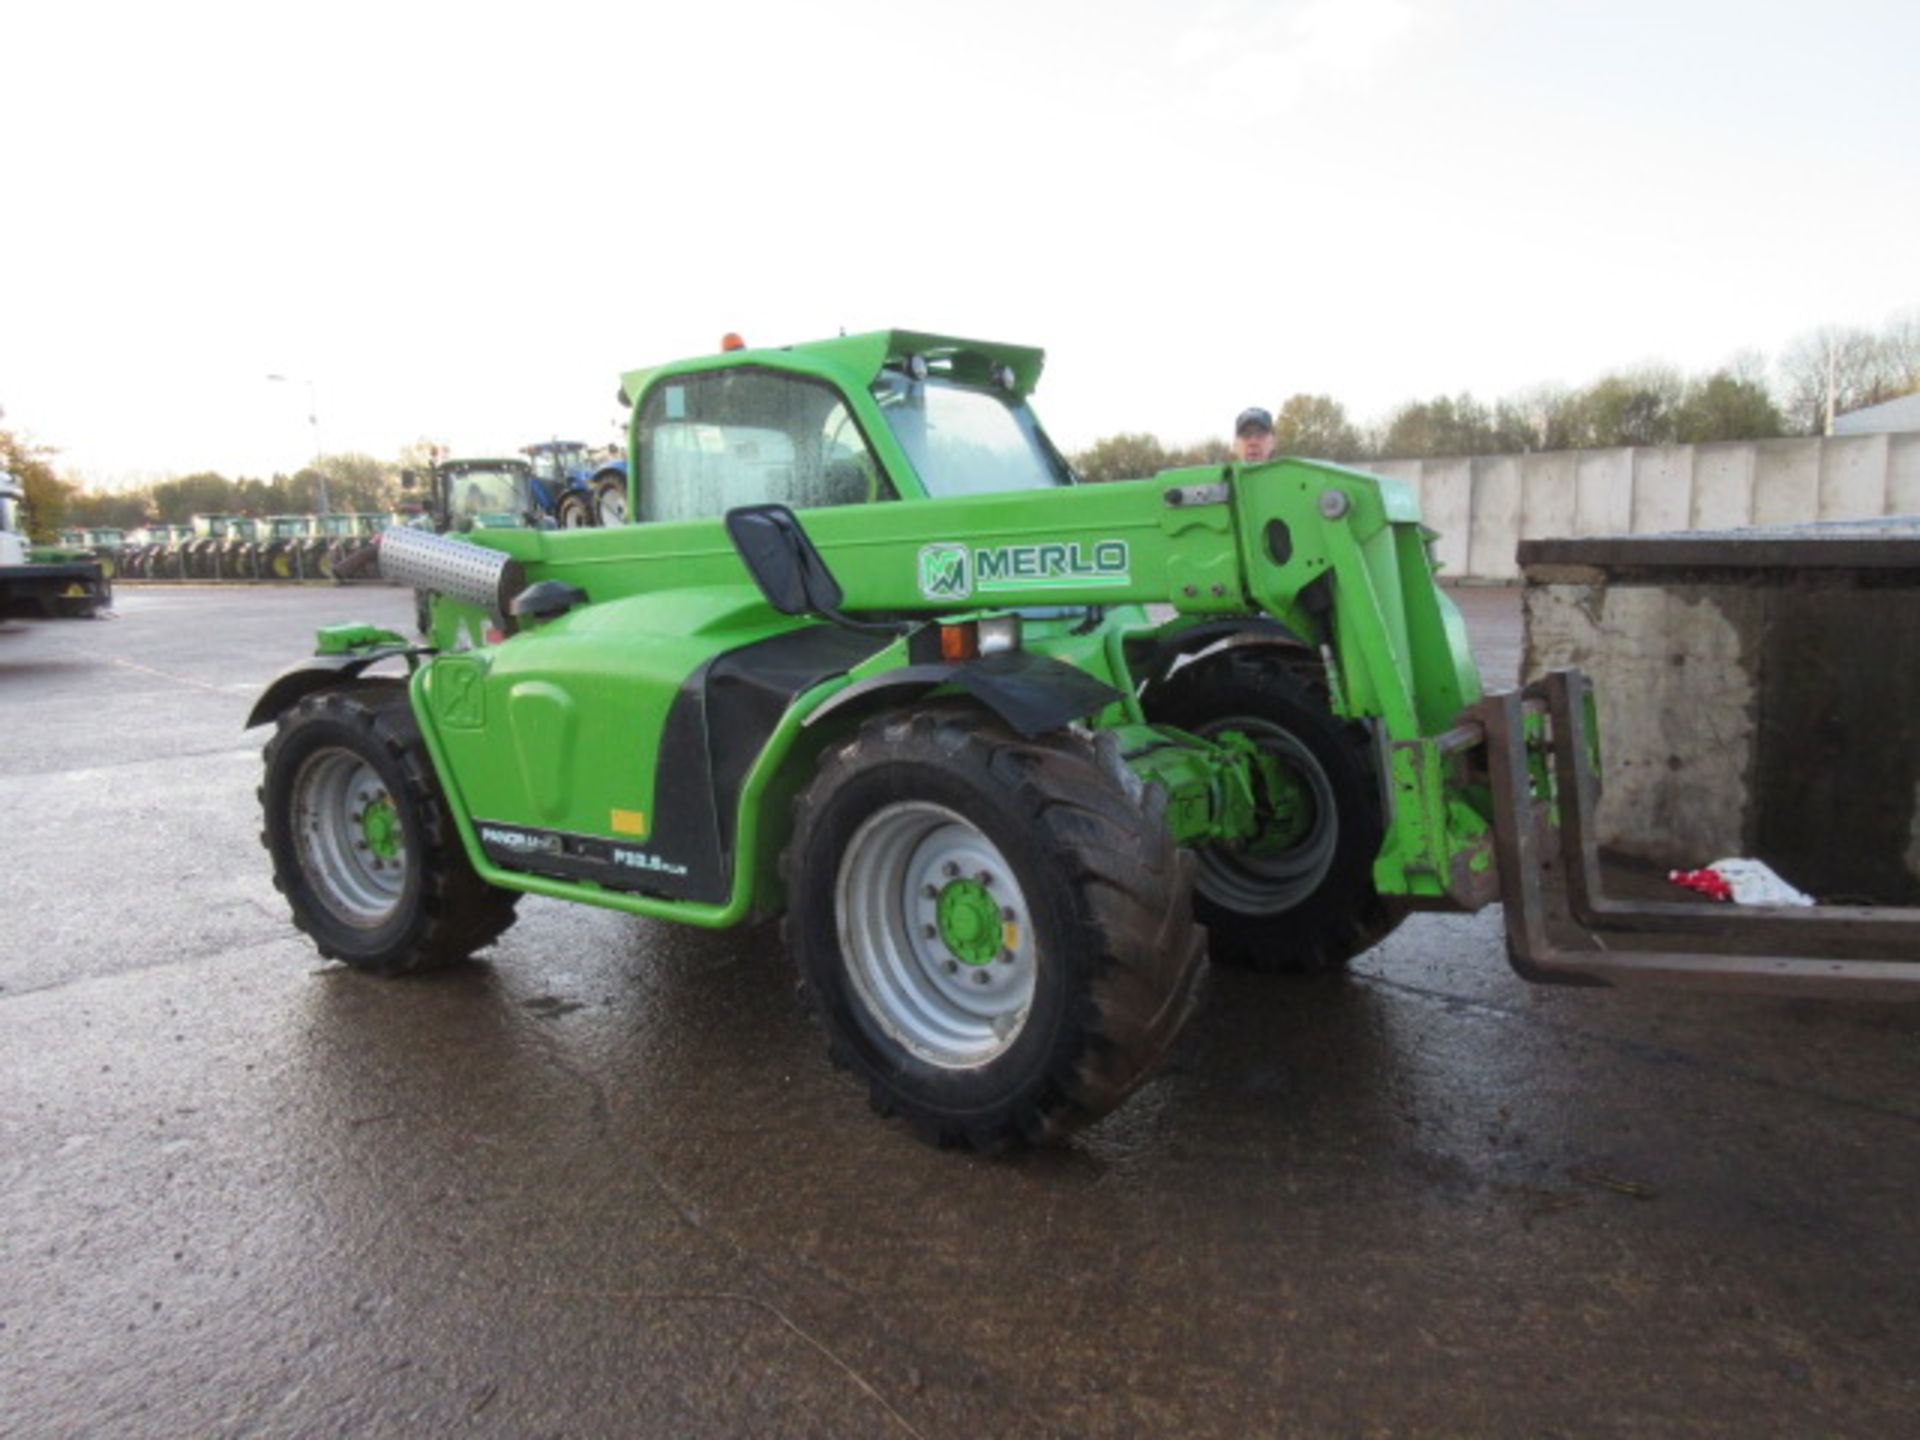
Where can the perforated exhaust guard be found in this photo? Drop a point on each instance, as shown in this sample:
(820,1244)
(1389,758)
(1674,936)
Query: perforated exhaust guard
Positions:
(470,574)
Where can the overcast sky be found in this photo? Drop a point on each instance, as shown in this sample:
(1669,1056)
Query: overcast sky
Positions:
(464,221)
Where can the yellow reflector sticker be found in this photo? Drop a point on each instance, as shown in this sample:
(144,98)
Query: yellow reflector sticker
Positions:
(628,822)
(75,589)
(1010,935)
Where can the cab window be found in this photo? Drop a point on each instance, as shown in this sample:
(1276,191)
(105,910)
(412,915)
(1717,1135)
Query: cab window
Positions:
(708,443)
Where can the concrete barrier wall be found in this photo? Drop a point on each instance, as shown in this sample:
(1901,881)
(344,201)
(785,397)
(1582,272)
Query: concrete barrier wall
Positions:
(1484,505)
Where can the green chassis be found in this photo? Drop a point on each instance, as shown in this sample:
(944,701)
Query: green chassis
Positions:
(641,751)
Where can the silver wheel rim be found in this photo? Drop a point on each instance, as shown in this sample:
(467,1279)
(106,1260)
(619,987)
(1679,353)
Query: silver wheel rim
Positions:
(947,1011)
(1249,884)
(331,795)
(576,516)
(613,506)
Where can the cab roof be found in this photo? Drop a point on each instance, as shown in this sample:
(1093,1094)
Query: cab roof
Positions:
(485,462)
(857,360)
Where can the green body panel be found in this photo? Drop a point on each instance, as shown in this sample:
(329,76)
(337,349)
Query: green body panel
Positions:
(562,734)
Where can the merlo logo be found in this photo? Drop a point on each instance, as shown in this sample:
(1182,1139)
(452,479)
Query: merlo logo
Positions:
(946,572)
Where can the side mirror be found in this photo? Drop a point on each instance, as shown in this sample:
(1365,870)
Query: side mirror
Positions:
(546,600)
(782,560)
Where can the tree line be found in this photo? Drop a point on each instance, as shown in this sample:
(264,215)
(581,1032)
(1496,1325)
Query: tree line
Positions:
(354,482)
(1824,373)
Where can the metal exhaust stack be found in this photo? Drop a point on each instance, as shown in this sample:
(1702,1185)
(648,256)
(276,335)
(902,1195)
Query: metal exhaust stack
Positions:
(470,574)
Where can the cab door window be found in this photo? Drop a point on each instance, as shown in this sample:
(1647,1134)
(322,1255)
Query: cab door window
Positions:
(708,443)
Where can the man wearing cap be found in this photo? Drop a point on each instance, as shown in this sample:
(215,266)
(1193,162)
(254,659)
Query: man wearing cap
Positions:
(1253,436)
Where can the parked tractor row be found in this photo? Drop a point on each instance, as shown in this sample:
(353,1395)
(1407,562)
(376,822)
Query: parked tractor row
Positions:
(239,547)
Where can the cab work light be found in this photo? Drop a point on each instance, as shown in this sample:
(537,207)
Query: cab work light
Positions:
(970,639)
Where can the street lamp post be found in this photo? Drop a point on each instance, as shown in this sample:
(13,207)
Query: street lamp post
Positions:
(313,419)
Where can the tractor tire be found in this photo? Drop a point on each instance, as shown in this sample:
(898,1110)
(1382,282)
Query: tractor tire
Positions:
(995,934)
(363,847)
(610,502)
(281,563)
(573,511)
(1312,906)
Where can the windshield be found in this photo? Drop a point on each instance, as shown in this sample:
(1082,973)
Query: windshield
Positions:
(967,441)
(486,491)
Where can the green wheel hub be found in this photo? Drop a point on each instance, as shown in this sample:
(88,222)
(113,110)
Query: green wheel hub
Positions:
(969,920)
(380,828)
(1283,804)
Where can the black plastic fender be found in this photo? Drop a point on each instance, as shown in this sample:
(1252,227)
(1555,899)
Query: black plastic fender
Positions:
(1034,694)
(295,683)
(1152,657)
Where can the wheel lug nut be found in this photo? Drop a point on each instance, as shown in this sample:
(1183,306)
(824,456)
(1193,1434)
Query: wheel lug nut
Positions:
(950,870)
(932,892)
(1006,913)
(953,967)
(930,931)
(981,977)
(1006,957)
(985,877)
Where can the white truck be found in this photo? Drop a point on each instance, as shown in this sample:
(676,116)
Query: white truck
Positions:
(47,588)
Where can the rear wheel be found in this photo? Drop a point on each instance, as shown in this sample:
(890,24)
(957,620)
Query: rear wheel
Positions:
(1300,897)
(996,938)
(610,501)
(363,847)
(574,512)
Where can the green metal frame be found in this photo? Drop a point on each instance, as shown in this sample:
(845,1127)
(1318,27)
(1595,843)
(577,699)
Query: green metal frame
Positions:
(1338,557)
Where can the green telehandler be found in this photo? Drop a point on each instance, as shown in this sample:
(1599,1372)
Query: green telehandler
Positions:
(1013,756)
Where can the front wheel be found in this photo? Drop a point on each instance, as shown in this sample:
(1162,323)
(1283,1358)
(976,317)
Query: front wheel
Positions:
(574,512)
(362,845)
(994,933)
(1300,896)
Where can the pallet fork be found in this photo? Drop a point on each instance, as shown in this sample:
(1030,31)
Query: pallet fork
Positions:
(1562,926)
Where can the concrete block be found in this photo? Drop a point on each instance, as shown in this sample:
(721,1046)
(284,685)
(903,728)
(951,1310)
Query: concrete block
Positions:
(1603,492)
(1903,474)
(1496,517)
(1853,477)
(1674,668)
(1786,481)
(1446,505)
(1549,495)
(1662,489)
(1407,470)
(1722,486)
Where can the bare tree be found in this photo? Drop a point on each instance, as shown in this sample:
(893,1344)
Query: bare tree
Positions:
(1829,371)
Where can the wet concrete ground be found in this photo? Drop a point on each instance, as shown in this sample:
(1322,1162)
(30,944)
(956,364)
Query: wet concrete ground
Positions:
(604,1182)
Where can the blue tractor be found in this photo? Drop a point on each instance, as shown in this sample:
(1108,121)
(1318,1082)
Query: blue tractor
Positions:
(576,488)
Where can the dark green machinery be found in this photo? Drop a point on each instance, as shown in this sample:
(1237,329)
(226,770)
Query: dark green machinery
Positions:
(44,581)
(1010,754)
(480,493)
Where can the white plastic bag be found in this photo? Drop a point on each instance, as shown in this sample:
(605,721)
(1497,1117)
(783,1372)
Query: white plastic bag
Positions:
(1754,883)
